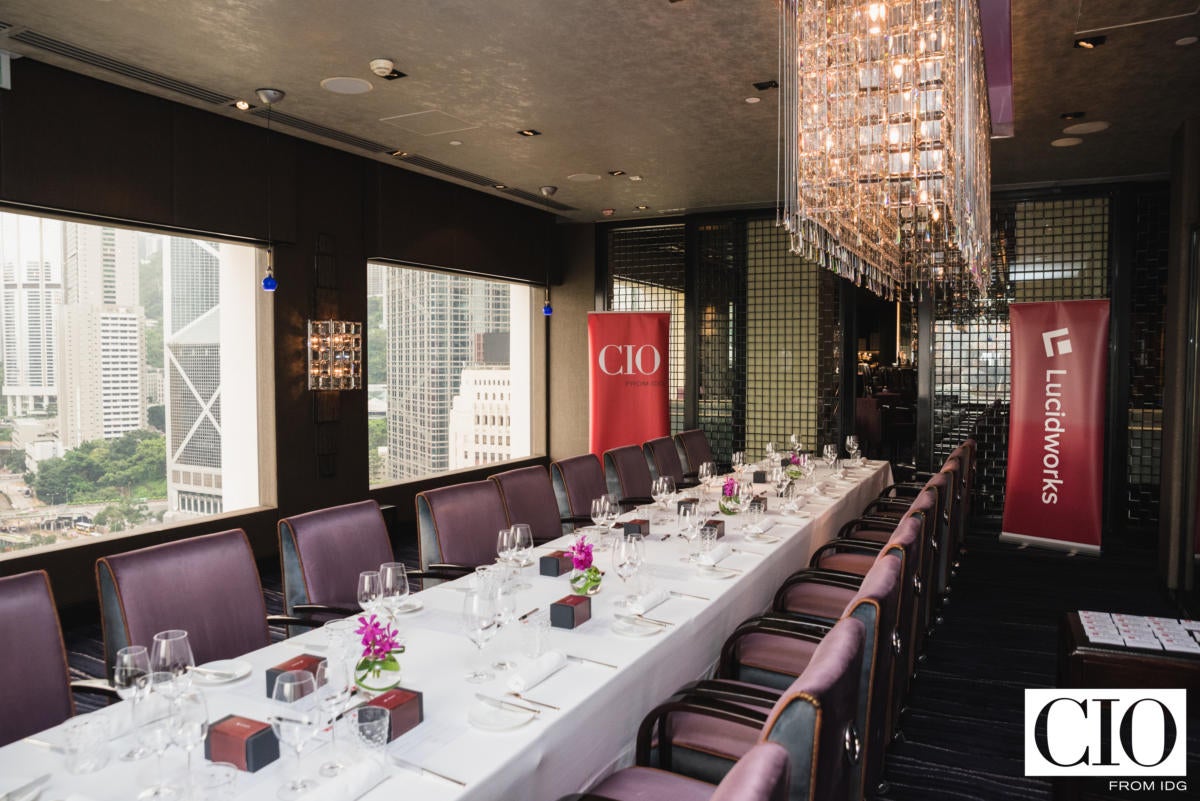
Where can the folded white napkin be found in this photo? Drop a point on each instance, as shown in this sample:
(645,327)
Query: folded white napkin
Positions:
(647,601)
(529,676)
(715,555)
(765,525)
(354,781)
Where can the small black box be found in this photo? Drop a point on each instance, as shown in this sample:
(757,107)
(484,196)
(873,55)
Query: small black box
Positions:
(555,564)
(570,611)
(719,525)
(639,526)
(760,477)
(244,743)
(682,502)
(307,662)
(407,708)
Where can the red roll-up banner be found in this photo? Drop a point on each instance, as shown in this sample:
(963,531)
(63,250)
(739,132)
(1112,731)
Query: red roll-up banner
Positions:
(629,397)
(1056,425)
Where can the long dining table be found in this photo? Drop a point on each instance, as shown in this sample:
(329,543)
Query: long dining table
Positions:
(594,704)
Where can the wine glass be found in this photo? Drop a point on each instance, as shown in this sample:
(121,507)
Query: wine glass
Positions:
(669,486)
(614,508)
(152,723)
(479,622)
(130,669)
(393,581)
(852,447)
(738,462)
(506,545)
(370,590)
(522,536)
(333,691)
(830,454)
(658,491)
(506,613)
(189,725)
(706,473)
(688,522)
(797,445)
(599,510)
(172,653)
(627,560)
(294,727)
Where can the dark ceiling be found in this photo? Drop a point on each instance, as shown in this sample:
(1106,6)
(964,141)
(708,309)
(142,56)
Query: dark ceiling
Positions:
(653,88)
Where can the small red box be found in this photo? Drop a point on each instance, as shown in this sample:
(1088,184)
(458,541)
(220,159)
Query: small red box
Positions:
(639,526)
(555,564)
(682,502)
(407,708)
(247,744)
(571,611)
(302,662)
(719,525)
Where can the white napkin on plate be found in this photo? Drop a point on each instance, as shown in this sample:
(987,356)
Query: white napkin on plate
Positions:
(529,676)
(354,781)
(719,552)
(647,601)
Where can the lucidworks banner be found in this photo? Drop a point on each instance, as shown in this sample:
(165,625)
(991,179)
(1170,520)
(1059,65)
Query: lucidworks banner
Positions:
(1056,427)
(629,398)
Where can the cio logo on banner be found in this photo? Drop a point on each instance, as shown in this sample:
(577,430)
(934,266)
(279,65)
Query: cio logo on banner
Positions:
(1056,337)
(1071,732)
(629,359)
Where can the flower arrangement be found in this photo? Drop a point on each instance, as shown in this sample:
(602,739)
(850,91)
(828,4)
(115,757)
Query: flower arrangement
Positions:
(795,466)
(586,577)
(380,644)
(729,503)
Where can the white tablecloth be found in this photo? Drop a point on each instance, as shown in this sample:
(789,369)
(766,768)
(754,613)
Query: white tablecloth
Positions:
(558,752)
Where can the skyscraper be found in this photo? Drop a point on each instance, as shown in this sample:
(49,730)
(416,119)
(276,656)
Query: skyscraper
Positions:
(101,336)
(31,289)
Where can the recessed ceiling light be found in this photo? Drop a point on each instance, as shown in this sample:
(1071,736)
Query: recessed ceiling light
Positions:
(635,177)
(1095,126)
(499,186)
(529,132)
(608,212)
(753,99)
(1066,141)
(346,86)
(455,142)
(615,173)
(1090,42)
(1072,115)
(642,207)
(242,105)
(583,177)
(400,154)
(1187,40)
(763,86)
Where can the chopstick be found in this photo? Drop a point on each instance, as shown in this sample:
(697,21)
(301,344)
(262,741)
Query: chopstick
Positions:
(575,658)
(402,762)
(679,594)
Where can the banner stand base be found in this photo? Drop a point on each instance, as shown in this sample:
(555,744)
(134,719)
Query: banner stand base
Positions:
(1056,545)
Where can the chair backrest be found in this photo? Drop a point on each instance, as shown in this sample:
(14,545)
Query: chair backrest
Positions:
(323,552)
(906,539)
(626,472)
(877,604)
(760,775)
(34,681)
(528,497)
(663,458)
(577,481)
(815,719)
(208,586)
(694,446)
(458,524)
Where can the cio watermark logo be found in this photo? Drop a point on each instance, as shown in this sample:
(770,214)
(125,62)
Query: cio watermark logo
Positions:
(1056,339)
(1126,733)
(629,359)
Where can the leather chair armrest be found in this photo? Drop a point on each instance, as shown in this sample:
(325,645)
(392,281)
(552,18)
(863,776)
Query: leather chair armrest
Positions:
(635,501)
(766,624)
(316,609)
(586,520)
(750,693)
(709,707)
(838,546)
(95,687)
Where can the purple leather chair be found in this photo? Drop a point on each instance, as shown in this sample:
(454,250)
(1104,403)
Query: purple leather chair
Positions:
(663,460)
(694,449)
(761,775)
(577,482)
(701,731)
(457,526)
(34,680)
(323,552)
(207,586)
(528,497)
(627,475)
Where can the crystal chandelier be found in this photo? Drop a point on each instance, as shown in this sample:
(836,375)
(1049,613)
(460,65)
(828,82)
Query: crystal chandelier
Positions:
(884,152)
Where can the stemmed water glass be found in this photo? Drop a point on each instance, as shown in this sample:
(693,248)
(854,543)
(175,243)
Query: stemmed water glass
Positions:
(130,669)
(797,445)
(830,454)
(852,448)
(294,727)
(599,510)
(172,653)
(627,560)
(370,590)
(522,547)
(614,508)
(393,580)
(738,462)
(152,722)
(333,691)
(506,546)
(688,528)
(506,613)
(189,725)
(479,622)
(706,473)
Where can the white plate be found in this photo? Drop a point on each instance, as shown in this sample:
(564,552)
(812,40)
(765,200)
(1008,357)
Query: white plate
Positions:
(796,517)
(490,718)
(410,606)
(714,573)
(236,670)
(764,538)
(627,629)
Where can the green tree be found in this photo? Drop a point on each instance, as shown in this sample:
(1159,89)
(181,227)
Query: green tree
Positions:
(154,344)
(156,416)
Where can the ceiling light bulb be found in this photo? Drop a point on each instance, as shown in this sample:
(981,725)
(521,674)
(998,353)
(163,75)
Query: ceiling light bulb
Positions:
(455,142)
(935,215)
(752,100)
(1187,40)
(1086,45)
(923,197)
(635,177)
(897,69)
(1066,141)
(242,105)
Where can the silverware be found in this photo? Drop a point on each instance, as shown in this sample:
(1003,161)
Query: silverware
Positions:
(25,789)
(58,749)
(500,703)
(747,550)
(404,763)
(662,624)
(678,594)
(575,658)
(531,701)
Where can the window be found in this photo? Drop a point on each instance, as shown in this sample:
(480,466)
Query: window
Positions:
(475,334)
(123,411)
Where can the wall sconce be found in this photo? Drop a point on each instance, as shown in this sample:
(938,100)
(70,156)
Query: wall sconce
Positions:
(334,354)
